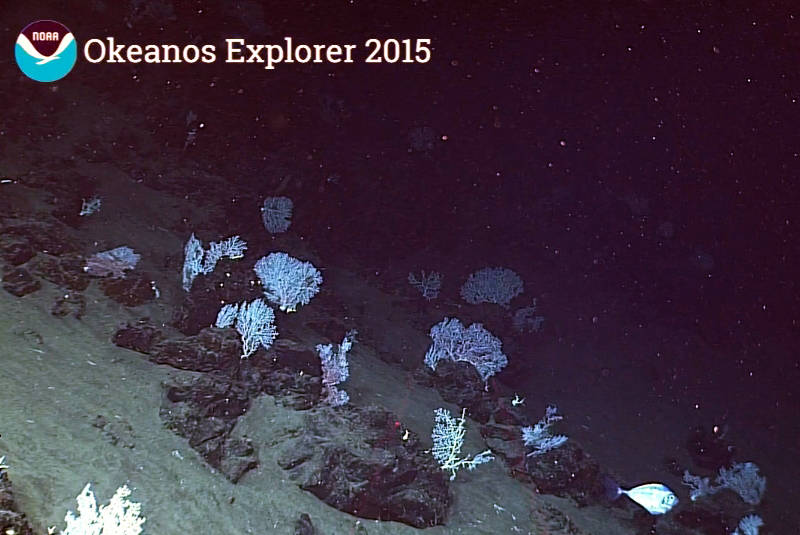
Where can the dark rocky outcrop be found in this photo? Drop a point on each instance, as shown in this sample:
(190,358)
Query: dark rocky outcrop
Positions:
(11,520)
(204,410)
(65,271)
(458,382)
(133,290)
(360,460)
(69,304)
(140,337)
(20,282)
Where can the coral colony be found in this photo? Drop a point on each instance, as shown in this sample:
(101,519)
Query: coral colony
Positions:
(119,517)
(276,213)
(526,319)
(539,437)
(255,321)
(476,345)
(198,261)
(90,206)
(112,263)
(448,438)
(749,525)
(742,478)
(287,281)
(492,285)
(335,369)
(428,284)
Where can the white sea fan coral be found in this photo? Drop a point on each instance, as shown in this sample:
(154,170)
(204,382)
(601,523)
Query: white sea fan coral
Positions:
(192,261)
(226,316)
(744,480)
(114,262)
(749,525)
(119,517)
(700,486)
(741,478)
(540,437)
(527,320)
(276,213)
(197,261)
(233,248)
(287,281)
(492,285)
(428,284)
(255,321)
(448,439)
(90,206)
(476,345)
(335,369)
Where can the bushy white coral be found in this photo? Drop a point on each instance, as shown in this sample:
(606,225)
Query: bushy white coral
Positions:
(196,261)
(540,437)
(749,525)
(119,517)
(428,284)
(744,480)
(226,317)
(476,345)
(527,319)
(276,213)
(448,439)
(233,248)
(741,478)
(335,369)
(90,206)
(700,486)
(113,262)
(492,285)
(287,281)
(255,321)
(192,261)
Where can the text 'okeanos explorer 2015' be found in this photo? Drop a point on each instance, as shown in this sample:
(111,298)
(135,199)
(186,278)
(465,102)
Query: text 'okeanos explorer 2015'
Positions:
(270,55)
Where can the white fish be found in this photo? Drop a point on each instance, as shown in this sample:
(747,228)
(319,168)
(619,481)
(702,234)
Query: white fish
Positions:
(656,498)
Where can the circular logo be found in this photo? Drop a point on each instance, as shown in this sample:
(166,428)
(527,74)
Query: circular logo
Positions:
(45,51)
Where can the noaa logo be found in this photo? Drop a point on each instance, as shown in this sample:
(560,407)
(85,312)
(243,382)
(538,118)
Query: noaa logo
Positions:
(46,50)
